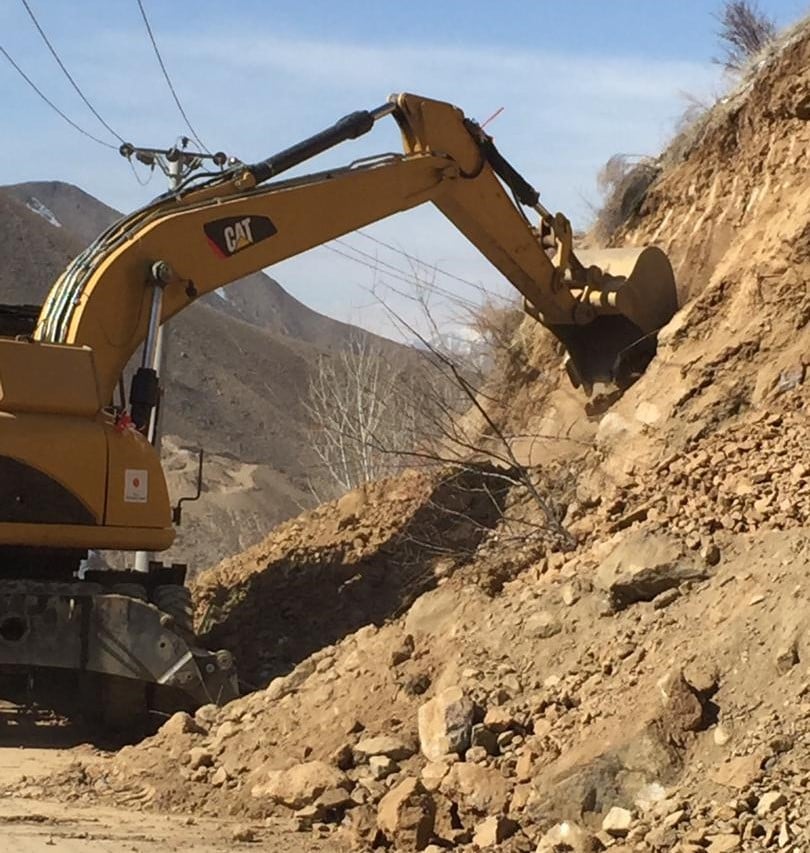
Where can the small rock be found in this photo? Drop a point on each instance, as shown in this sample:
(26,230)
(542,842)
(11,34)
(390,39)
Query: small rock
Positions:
(343,757)
(499,719)
(524,767)
(721,735)
(740,772)
(542,625)
(205,715)
(787,657)
(433,773)
(350,506)
(770,802)
(567,836)
(667,597)
(199,756)
(477,789)
(243,834)
(403,652)
(382,766)
(710,554)
(569,595)
(219,777)
(725,843)
(226,730)
(484,737)
(181,723)
(617,822)
(683,710)
(390,747)
(476,754)
(493,831)
(405,815)
(445,724)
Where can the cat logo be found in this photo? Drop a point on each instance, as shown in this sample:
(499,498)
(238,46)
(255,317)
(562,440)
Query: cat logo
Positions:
(234,234)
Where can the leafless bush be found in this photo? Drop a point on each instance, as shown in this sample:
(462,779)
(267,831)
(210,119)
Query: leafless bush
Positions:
(744,32)
(623,182)
(434,409)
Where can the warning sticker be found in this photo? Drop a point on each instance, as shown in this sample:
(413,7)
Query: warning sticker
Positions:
(136,486)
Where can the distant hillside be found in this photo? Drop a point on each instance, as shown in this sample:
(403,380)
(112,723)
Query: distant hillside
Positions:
(237,369)
(256,299)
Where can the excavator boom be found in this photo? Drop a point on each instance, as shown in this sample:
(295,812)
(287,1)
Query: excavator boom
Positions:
(212,235)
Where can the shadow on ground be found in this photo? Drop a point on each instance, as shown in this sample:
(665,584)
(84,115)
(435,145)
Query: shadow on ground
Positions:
(283,613)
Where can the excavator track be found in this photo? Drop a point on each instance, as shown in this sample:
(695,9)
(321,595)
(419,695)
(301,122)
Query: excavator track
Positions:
(104,649)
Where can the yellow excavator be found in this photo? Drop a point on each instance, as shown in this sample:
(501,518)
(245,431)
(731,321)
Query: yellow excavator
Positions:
(77,472)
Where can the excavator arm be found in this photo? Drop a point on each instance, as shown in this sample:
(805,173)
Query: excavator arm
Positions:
(189,243)
(73,474)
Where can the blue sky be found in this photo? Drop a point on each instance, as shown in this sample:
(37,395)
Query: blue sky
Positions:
(578,81)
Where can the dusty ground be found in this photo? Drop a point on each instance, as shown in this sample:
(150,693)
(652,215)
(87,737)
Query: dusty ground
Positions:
(32,823)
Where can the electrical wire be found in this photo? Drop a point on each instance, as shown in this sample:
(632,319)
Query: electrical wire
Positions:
(385,245)
(138,178)
(51,104)
(432,285)
(404,277)
(168,79)
(67,74)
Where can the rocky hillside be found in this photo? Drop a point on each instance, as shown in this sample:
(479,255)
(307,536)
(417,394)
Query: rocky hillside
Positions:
(443,661)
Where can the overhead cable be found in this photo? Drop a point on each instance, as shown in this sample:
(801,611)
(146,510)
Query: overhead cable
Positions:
(416,260)
(168,79)
(67,74)
(51,104)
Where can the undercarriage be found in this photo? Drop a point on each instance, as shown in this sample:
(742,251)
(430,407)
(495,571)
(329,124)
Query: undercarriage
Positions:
(109,644)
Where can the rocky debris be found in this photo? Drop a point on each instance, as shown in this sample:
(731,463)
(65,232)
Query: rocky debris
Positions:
(445,724)
(406,815)
(641,688)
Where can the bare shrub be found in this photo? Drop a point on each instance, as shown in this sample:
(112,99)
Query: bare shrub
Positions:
(623,182)
(744,32)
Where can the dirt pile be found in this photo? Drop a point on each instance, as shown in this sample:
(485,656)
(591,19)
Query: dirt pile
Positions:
(435,667)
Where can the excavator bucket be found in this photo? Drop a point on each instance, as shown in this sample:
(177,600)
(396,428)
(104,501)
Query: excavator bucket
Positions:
(635,298)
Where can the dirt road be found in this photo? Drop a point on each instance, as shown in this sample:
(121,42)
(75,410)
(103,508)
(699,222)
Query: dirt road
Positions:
(30,824)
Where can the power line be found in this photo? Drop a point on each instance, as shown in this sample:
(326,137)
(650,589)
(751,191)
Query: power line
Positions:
(51,104)
(66,72)
(410,277)
(168,79)
(416,260)
(400,275)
